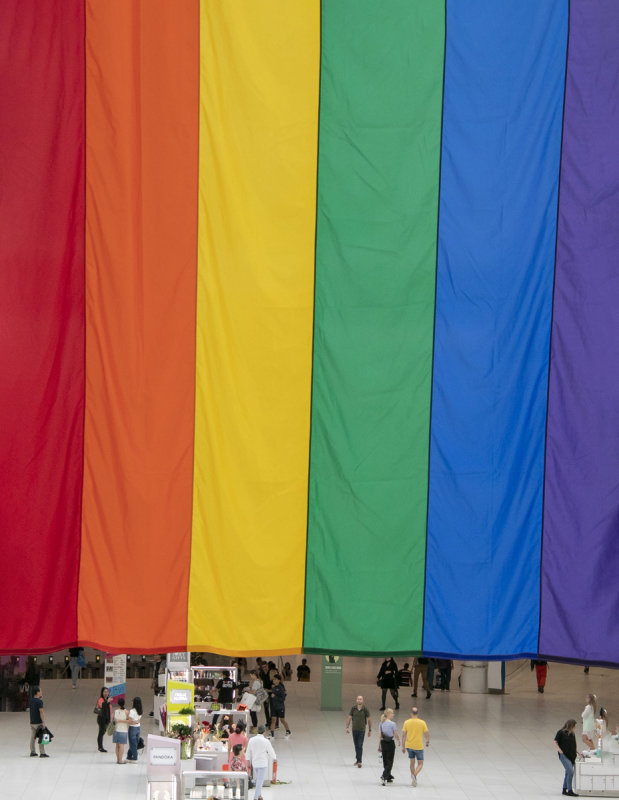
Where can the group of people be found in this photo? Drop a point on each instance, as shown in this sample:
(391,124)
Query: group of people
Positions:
(266,684)
(127,725)
(414,731)
(596,732)
(390,678)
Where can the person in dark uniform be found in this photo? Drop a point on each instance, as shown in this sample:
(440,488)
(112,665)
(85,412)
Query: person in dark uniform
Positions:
(278,705)
(225,687)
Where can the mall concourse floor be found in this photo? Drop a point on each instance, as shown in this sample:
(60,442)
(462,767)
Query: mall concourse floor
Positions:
(482,746)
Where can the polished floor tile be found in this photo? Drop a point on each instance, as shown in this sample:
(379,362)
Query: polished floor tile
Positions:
(482,746)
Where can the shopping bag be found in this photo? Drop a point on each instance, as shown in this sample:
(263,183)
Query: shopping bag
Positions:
(111,728)
(248,700)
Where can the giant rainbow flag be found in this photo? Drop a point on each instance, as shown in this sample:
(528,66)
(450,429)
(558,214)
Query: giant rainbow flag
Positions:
(309,326)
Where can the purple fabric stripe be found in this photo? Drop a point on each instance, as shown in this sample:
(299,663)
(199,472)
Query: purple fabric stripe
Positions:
(580,558)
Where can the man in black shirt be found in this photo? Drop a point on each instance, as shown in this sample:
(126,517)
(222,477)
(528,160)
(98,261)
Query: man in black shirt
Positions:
(225,689)
(37,720)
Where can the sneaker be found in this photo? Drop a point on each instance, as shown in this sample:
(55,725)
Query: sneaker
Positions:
(102,750)
(382,781)
(414,780)
(34,755)
(43,755)
(288,733)
(428,695)
(564,791)
(414,694)
(571,794)
(359,764)
(540,689)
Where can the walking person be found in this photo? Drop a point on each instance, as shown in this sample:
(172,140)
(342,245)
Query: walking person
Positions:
(76,662)
(121,718)
(588,721)
(444,666)
(37,721)
(257,756)
(359,716)
(386,745)
(541,671)
(420,669)
(104,715)
(565,741)
(278,705)
(267,685)
(413,732)
(387,679)
(135,715)
(405,676)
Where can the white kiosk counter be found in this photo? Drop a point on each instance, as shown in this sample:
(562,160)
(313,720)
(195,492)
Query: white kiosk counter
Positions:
(598,777)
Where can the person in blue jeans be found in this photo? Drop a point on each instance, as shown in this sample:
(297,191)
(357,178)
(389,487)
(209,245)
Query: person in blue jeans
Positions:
(359,716)
(135,715)
(565,741)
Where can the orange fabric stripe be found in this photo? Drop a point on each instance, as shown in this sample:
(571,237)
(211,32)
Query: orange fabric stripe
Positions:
(141,164)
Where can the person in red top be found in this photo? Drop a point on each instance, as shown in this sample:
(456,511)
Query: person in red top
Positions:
(239,737)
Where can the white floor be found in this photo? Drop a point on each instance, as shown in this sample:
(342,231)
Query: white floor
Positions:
(482,746)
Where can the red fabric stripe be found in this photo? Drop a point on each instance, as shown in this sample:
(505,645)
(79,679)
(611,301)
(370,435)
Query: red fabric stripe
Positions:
(41,320)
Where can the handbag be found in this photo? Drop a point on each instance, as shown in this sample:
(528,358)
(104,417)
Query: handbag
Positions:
(111,728)
(140,743)
(97,710)
(44,735)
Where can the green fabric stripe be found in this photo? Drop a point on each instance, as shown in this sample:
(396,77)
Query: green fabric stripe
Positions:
(379,150)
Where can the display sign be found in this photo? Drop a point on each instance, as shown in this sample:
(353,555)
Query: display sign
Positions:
(183,697)
(162,756)
(178,661)
(178,695)
(115,676)
(331,683)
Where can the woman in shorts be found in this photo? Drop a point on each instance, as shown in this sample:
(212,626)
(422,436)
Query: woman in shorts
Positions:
(121,718)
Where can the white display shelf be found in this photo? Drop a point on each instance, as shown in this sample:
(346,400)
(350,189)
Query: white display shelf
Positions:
(203,785)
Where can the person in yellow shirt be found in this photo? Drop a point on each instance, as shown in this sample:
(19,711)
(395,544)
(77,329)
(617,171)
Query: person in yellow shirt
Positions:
(413,732)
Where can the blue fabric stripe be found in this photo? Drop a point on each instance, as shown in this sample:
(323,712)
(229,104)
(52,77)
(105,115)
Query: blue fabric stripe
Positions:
(502,117)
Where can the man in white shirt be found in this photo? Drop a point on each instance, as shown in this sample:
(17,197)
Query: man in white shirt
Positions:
(257,755)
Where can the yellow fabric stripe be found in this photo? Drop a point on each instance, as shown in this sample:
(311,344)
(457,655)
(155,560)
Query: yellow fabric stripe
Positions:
(259,65)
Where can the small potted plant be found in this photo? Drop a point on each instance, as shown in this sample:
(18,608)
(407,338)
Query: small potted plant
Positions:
(185,734)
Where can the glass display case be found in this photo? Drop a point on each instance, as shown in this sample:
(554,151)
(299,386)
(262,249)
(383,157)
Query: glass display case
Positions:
(203,785)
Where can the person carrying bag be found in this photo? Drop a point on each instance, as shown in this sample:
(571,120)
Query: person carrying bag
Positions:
(103,710)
